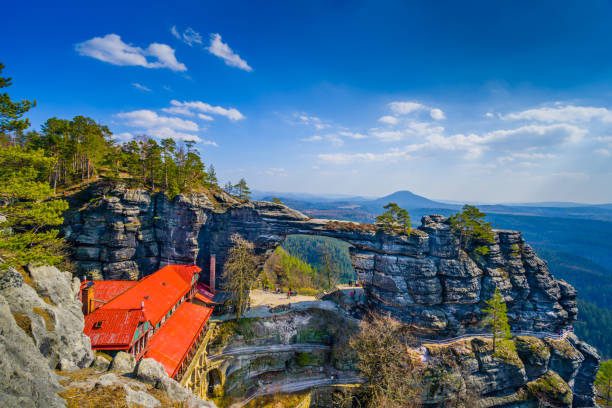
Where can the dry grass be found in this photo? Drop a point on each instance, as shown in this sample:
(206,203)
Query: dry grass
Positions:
(24,323)
(277,400)
(49,323)
(98,397)
(103,397)
(350,226)
(106,356)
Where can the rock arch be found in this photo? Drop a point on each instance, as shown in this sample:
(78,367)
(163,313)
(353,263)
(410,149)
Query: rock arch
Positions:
(424,279)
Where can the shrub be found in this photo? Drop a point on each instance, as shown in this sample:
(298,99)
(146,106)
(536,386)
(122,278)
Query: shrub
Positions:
(303,359)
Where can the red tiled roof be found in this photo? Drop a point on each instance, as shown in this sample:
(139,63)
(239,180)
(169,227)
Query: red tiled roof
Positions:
(117,328)
(107,290)
(159,291)
(173,341)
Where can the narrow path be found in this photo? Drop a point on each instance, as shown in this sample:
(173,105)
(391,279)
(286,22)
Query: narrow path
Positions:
(294,386)
(540,335)
(273,348)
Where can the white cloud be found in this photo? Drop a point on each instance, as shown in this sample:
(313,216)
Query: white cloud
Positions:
(205,117)
(603,152)
(148,119)
(437,114)
(189,36)
(489,115)
(334,139)
(538,135)
(344,158)
(404,108)
(353,135)
(140,86)
(387,135)
(390,120)
(230,113)
(166,132)
(578,176)
(113,50)
(535,156)
(123,137)
(304,119)
(175,32)
(275,172)
(314,138)
(220,49)
(177,110)
(150,123)
(567,113)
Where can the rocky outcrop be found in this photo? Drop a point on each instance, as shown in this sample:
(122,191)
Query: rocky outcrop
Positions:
(538,373)
(25,377)
(51,314)
(424,279)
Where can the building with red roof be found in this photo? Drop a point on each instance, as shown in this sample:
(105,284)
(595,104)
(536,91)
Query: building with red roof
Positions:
(153,317)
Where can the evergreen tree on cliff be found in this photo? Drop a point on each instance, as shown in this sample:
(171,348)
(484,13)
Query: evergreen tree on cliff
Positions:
(28,208)
(497,318)
(603,382)
(394,219)
(239,272)
(242,190)
(11,112)
(25,194)
(472,229)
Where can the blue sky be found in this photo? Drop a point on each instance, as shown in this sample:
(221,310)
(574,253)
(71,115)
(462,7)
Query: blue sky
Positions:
(474,101)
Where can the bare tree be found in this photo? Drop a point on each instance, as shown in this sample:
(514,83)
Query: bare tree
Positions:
(392,372)
(239,272)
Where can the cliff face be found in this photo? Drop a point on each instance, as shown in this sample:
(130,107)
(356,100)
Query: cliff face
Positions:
(424,279)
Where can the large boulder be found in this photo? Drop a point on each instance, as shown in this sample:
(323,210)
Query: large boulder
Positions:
(140,398)
(25,377)
(100,364)
(150,371)
(123,363)
(54,312)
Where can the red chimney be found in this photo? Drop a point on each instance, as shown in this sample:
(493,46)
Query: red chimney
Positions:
(212,273)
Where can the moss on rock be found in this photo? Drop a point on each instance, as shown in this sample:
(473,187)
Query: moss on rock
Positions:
(551,390)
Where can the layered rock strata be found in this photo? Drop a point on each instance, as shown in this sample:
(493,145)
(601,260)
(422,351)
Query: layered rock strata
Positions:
(424,279)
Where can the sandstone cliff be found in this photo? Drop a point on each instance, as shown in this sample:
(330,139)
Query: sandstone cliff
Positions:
(424,279)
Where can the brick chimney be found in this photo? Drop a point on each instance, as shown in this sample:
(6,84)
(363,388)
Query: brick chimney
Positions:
(87,298)
(212,273)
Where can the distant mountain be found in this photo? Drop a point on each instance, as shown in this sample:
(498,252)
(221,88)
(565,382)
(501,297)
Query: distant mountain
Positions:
(407,199)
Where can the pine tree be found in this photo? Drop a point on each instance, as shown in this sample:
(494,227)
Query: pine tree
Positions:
(229,188)
(11,112)
(472,229)
(242,190)
(239,272)
(394,219)
(29,211)
(212,175)
(603,382)
(497,318)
